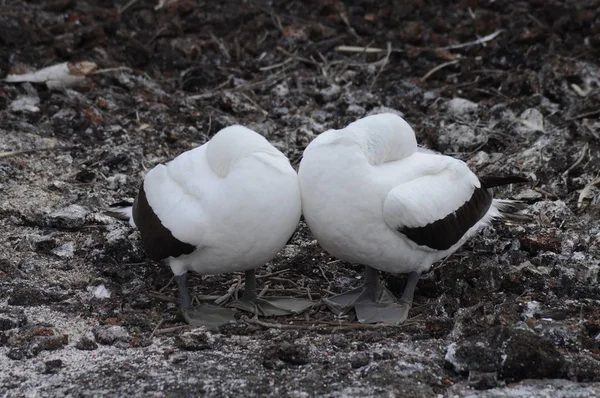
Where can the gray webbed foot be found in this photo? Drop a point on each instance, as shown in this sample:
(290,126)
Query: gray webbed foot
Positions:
(374,312)
(208,315)
(202,314)
(342,303)
(272,306)
(268,306)
(373,303)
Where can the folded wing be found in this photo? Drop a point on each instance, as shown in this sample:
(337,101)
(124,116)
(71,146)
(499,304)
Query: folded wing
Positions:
(437,210)
(168,210)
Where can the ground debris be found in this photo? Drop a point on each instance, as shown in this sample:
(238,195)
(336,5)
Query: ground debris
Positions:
(516,354)
(73,216)
(476,81)
(285,352)
(11,318)
(57,76)
(195,340)
(86,344)
(110,334)
(28,342)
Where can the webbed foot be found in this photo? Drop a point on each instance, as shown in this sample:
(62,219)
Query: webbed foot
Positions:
(202,314)
(208,315)
(271,305)
(374,303)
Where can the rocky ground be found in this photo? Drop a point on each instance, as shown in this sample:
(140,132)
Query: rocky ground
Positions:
(509,87)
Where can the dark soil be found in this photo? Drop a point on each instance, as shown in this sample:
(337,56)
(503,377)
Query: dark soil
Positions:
(518,302)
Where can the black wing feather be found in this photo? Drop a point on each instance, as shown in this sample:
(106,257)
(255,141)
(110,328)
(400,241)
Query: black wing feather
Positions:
(159,243)
(446,232)
(496,181)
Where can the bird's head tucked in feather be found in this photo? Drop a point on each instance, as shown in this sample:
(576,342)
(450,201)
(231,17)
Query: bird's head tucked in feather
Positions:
(384,137)
(232,144)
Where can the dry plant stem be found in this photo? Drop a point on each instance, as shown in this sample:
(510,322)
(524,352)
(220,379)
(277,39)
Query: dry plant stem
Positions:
(586,192)
(481,40)
(274,66)
(358,49)
(344,18)
(172,330)
(230,292)
(318,325)
(116,69)
(272,274)
(126,6)
(162,289)
(583,115)
(156,328)
(437,68)
(163,297)
(584,151)
(26,151)
(384,62)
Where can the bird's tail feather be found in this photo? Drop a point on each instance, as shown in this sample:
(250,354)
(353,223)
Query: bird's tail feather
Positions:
(509,208)
(496,181)
(121,211)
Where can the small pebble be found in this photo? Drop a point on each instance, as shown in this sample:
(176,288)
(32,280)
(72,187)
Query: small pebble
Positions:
(110,334)
(358,361)
(330,93)
(86,344)
(73,216)
(52,366)
(193,341)
(461,106)
(11,318)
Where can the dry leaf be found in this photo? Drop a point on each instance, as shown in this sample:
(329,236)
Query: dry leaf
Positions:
(56,76)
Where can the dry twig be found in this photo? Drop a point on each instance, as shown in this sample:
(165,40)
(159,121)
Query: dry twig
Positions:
(587,192)
(25,151)
(156,328)
(320,325)
(584,115)
(481,40)
(358,49)
(384,62)
(126,6)
(584,151)
(440,66)
(172,329)
(274,66)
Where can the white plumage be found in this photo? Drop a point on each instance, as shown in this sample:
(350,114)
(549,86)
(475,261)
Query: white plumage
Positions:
(366,188)
(228,205)
(236,199)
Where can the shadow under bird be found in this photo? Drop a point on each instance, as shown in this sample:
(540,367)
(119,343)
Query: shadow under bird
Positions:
(228,205)
(371,196)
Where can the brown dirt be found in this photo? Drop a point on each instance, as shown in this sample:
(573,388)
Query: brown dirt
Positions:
(520,301)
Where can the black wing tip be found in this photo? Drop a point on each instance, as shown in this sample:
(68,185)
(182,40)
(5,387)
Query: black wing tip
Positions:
(445,232)
(496,181)
(116,214)
(123,203)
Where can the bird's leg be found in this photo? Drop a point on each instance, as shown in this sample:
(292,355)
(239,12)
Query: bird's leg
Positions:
(184,293)
(374,289)
(373,302)
(409,290)
(203,314)
(250,285)
(372,284)
(342,303)
(268,306)
(385,309)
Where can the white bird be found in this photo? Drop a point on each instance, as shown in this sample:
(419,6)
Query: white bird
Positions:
(371,196)
(228,205)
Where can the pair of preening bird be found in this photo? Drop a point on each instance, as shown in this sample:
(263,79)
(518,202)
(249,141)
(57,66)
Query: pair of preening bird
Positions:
(368,193)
